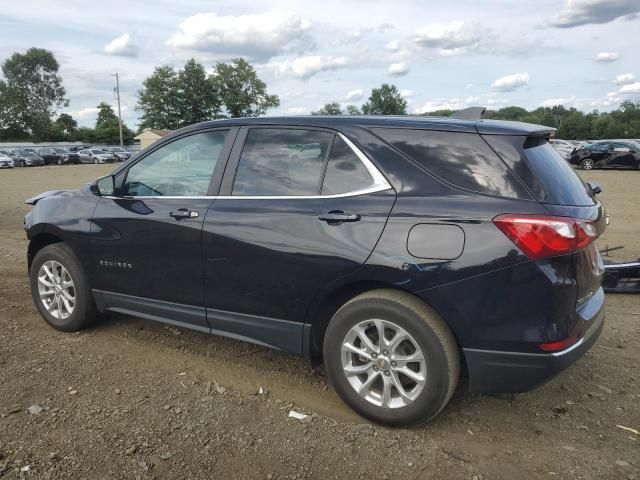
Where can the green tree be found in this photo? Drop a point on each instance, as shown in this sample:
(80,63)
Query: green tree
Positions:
(385,100)
(158,100)
(66,124)
(241,91)
(31,93)
(197,97)
(107,129)
(353,110)
(332,108)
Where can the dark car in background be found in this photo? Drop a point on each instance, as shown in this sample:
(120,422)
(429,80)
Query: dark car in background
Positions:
(400,251)
(57,156)
(119,152)
(607,154)
(26,157)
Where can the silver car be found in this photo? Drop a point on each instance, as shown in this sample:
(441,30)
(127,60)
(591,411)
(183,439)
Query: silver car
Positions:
(95,155)
(6,162)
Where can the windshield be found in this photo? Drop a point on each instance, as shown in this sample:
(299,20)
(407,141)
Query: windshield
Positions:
(61,150)
(97,152)
(117,149)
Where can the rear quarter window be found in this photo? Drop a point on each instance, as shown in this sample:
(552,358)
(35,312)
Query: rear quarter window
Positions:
(463,160)
(542,169)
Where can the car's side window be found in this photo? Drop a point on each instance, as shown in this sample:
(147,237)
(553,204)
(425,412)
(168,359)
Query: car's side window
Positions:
(181,168)
(281,162)
(345,172)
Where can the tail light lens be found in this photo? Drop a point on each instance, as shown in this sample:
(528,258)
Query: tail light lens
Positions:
(541,236)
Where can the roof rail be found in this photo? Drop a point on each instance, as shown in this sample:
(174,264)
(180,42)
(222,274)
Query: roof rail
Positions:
(471,113)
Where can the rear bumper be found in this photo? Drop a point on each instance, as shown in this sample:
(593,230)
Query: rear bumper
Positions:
(493,371)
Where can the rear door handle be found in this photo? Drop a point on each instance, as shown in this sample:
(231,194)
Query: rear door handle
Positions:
(336,217)
(184,213)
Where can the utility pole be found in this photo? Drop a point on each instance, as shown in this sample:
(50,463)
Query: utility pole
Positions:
(119,112)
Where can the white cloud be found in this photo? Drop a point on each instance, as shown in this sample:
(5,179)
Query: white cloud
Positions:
(121,46)
(452,38)
(407,93)
(440,104)
(624,79)
(583,12)
(631,88)
(398,69)
(510,82)
(468,86)
(297,110)
(305,67)
(392,46)
(354,94)
(256,35)
(606,57)
(550,102)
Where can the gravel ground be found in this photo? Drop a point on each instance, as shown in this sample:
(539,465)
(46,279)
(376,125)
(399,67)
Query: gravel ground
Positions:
(134,399)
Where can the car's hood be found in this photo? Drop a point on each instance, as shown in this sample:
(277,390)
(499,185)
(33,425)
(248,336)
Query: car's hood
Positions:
(50,193)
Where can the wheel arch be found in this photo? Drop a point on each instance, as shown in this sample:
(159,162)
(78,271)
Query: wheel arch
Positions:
(324,310)
(38,242)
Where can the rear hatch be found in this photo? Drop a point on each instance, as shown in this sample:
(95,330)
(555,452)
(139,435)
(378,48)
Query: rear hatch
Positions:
(554,183)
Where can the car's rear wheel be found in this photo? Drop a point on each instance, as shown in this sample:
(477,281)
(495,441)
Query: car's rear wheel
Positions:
(60,289)
(95,160)
(59,161)
(391,358)
(587,164)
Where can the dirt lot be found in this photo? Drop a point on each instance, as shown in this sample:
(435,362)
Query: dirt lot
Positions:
(134,399)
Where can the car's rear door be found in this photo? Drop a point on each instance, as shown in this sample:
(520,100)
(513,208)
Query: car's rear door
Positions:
(622,156)
(146,239)
(299,208)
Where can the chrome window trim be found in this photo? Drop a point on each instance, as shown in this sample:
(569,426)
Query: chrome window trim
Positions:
(379,184)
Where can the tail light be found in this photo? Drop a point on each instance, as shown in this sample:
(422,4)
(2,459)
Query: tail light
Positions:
(540,236)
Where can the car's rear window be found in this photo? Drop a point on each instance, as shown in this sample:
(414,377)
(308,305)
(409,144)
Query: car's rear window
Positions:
(463,160)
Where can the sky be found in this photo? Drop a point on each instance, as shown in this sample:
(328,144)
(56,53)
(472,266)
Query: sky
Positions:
(440,54)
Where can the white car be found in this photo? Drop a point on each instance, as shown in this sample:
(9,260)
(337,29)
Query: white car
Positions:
(563,147)
(6,162)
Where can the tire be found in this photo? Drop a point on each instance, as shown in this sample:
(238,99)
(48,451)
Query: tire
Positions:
(84,311)
(587,164)
(95,160)
(59,161)
(440,370)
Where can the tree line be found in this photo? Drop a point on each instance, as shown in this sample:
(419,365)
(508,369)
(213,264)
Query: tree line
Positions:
(32,93)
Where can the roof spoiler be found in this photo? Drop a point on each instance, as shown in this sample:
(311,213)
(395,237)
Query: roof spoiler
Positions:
(471,113)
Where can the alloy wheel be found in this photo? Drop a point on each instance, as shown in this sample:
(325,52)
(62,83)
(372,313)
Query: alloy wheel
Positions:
(587,164)
(383,363)
(56,289)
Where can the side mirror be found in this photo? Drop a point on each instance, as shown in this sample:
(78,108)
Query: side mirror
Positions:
(104,186)
(595,187)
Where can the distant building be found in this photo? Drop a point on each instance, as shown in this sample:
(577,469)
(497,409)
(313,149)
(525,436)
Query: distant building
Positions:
(150,135)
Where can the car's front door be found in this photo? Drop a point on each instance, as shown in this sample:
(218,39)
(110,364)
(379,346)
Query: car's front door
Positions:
(299,209)
(146,239)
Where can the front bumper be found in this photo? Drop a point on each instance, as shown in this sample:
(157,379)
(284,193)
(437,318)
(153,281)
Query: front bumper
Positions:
(492,371)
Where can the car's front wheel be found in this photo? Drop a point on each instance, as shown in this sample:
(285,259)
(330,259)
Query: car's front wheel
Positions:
(391,358)
(60,289)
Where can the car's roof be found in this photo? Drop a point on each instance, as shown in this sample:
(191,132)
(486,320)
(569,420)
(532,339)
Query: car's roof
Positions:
(432,123)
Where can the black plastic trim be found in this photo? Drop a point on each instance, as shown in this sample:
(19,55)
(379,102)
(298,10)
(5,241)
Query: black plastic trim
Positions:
(269,332)
(493,371)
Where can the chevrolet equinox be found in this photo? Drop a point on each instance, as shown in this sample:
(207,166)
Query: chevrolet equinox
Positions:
(404,252)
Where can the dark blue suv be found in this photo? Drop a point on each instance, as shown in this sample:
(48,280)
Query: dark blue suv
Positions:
(404,252)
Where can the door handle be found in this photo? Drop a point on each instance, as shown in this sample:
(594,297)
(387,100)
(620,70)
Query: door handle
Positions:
(184,213)
(336,217)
